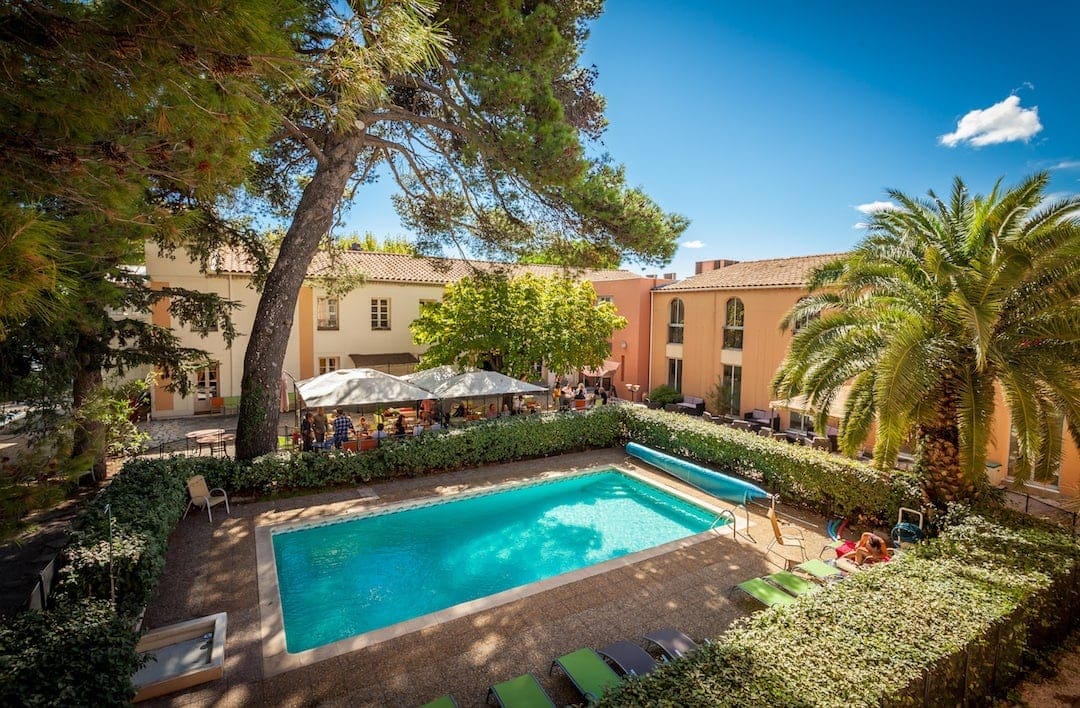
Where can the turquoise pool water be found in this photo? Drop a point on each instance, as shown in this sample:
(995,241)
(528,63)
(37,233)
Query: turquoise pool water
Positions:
(350,577)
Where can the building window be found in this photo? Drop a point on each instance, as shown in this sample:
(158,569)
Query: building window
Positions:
(380,313)
(605,298)
(802,422)
(674,374)
(424,303)
(206,389)
(731,390)
(675,322)
(733,324)
(210,327)
(801,322)
(327,317)
(328,364)
(1047,468)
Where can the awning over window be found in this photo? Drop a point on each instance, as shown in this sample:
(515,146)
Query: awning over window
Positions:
(371,360)
(608,368)
(801,405)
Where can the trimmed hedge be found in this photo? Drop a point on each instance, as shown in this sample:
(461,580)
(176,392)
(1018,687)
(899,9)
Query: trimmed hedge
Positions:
(82,651)
(952,621)
(77,655)
(828,484)
(979,576)
(490,442)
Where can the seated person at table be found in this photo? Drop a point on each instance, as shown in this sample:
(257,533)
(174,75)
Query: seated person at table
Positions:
(364,428)
(459,412)
(492,412)
(435,425)
(343,425)
(399,426)
(579,395)
(380,432)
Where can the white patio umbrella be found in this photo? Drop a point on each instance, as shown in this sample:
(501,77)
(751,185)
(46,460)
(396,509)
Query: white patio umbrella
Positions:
(431,379)
(477,384)
(358,387)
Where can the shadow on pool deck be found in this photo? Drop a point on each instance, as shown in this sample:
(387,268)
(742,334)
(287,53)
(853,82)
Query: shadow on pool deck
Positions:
(212,569)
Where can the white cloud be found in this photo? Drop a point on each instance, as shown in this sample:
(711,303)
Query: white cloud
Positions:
(860,225)
(1067,165)
(875,207)
(693,244)
(1003,122)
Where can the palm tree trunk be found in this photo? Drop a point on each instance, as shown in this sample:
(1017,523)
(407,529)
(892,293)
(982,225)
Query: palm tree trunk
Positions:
(257,424)
(938,458)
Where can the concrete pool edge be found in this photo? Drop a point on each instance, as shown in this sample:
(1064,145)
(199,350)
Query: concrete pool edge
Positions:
(275,657)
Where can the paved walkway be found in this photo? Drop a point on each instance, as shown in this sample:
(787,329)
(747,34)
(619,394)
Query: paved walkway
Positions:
(173,430)
(212,568)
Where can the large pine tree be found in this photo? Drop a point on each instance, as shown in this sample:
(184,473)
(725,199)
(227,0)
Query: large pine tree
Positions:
(480,112)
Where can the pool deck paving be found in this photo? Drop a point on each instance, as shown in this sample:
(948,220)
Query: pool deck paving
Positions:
(212,568)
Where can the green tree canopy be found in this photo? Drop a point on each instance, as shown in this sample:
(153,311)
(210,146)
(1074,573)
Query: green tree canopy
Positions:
(123,122)
(479,112)
(513,325)
(941,302)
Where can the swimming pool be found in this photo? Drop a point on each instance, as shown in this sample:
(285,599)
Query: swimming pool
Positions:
(343,578)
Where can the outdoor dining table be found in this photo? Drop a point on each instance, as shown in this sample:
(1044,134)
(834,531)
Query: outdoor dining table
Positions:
(207,437)
(216,442)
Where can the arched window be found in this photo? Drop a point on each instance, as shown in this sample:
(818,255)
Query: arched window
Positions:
(733,324)
(804,320)
(675,322)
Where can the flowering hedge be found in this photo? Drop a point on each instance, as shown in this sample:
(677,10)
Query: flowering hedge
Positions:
(951,622)
(829,484)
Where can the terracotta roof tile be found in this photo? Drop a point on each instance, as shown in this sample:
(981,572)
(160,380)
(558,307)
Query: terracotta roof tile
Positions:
(772,273)
(399,268)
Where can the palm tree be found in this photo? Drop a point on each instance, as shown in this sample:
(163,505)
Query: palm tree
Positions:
(940,304)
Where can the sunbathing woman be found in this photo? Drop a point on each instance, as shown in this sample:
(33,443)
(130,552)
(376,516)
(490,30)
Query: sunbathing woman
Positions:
(870,548)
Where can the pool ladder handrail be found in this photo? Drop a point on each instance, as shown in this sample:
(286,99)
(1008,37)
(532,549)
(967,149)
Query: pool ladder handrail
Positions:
(725,514)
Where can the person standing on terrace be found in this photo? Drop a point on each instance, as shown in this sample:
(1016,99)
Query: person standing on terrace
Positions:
(320,424)
(343,425)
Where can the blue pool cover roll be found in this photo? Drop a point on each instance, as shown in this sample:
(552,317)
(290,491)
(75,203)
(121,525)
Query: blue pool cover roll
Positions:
(717,484)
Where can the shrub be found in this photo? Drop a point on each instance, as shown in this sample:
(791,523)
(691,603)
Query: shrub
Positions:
(663,395)
(826,483)
(501,440)
(954,619)
(79,655)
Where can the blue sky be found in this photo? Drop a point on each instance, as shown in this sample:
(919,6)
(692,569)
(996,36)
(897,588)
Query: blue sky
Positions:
(769,124)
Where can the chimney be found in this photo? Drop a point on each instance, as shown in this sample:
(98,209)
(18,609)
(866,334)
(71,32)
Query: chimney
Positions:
(671,276)
(705,266)
(651,275)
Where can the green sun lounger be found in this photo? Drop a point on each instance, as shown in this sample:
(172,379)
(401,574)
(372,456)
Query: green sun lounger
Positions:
(446,701)
(521,692)
(792,583)
(588,672)
(764,592)
(819,569)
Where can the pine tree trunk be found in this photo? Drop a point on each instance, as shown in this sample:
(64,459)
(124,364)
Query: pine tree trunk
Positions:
(943,478)
(88,435)
(257,425)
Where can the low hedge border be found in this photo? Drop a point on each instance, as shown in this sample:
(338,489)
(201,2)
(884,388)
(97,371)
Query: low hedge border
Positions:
(149,496)
(828,484)
(951,622)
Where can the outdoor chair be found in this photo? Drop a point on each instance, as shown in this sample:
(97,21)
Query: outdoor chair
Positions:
(792,539)
(588,672)
(204,497)
(820,570)
(777,589)
(765,432)
(628,658)
(217,405)
(521,692)
(444,701)
(673,643)
(764,592)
